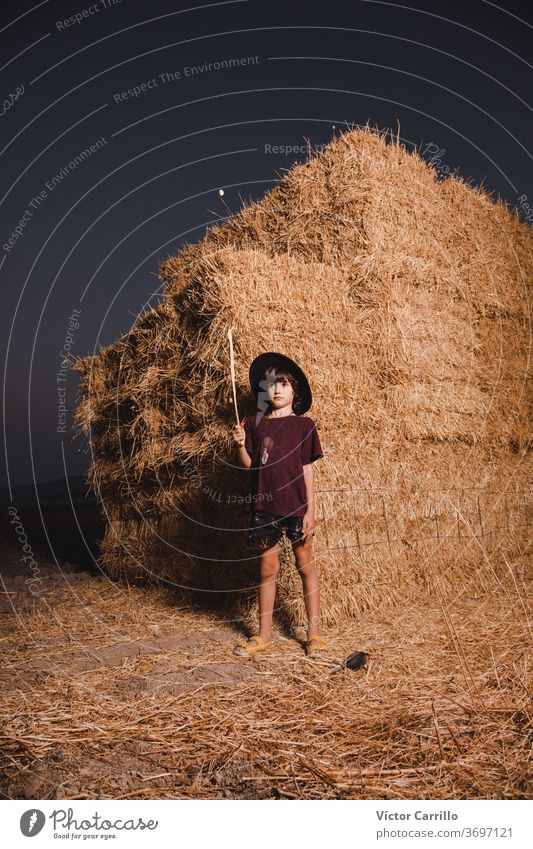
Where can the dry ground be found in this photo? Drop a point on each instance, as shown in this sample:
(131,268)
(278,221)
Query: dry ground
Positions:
(110,691)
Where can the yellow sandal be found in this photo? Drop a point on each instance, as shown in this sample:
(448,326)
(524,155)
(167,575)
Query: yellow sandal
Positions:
(260,645)
(319,646)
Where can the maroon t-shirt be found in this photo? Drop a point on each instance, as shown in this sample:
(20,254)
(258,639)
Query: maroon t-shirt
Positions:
(280,448)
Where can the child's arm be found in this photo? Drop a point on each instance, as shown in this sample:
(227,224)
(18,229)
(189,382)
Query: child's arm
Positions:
(239,437)
(308,524)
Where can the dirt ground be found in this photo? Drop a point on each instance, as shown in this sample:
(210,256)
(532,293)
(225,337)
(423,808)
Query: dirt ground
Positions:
(112,691)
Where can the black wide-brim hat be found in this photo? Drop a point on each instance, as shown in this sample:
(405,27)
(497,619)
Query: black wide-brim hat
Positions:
(282,363)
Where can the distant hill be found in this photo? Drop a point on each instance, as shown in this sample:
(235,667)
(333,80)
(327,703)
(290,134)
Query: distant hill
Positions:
(54,493)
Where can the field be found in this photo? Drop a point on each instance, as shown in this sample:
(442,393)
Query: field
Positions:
(112,691)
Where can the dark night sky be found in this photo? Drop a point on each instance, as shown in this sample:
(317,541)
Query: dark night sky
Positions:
(455,76)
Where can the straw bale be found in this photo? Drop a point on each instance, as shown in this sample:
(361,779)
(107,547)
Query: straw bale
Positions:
(405,298)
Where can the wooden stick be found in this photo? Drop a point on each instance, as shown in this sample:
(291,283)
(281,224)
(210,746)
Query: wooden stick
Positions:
(232,370)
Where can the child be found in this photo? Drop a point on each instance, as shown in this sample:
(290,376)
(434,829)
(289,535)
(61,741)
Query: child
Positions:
(279,445)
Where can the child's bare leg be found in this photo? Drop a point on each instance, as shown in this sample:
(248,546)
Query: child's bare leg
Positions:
(268,571)
(303,555)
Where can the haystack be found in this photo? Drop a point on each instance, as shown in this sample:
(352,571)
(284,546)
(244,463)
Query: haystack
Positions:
(405,299)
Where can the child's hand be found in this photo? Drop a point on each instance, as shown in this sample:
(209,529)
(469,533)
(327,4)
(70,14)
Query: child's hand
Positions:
(308,525)
(238,435)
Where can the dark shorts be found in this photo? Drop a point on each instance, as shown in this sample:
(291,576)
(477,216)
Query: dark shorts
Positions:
(266,529)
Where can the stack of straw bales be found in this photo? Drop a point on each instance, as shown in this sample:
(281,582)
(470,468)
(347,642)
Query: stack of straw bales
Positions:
(405,299)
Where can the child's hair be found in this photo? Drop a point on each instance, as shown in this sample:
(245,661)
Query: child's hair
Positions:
(275,374)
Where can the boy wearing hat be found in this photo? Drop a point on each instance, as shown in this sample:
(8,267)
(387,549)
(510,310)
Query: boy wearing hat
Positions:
(279,445)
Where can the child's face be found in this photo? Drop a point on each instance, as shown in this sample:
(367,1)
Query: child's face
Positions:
(280,392)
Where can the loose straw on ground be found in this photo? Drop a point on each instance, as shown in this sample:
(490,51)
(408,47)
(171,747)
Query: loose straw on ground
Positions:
(92,705)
